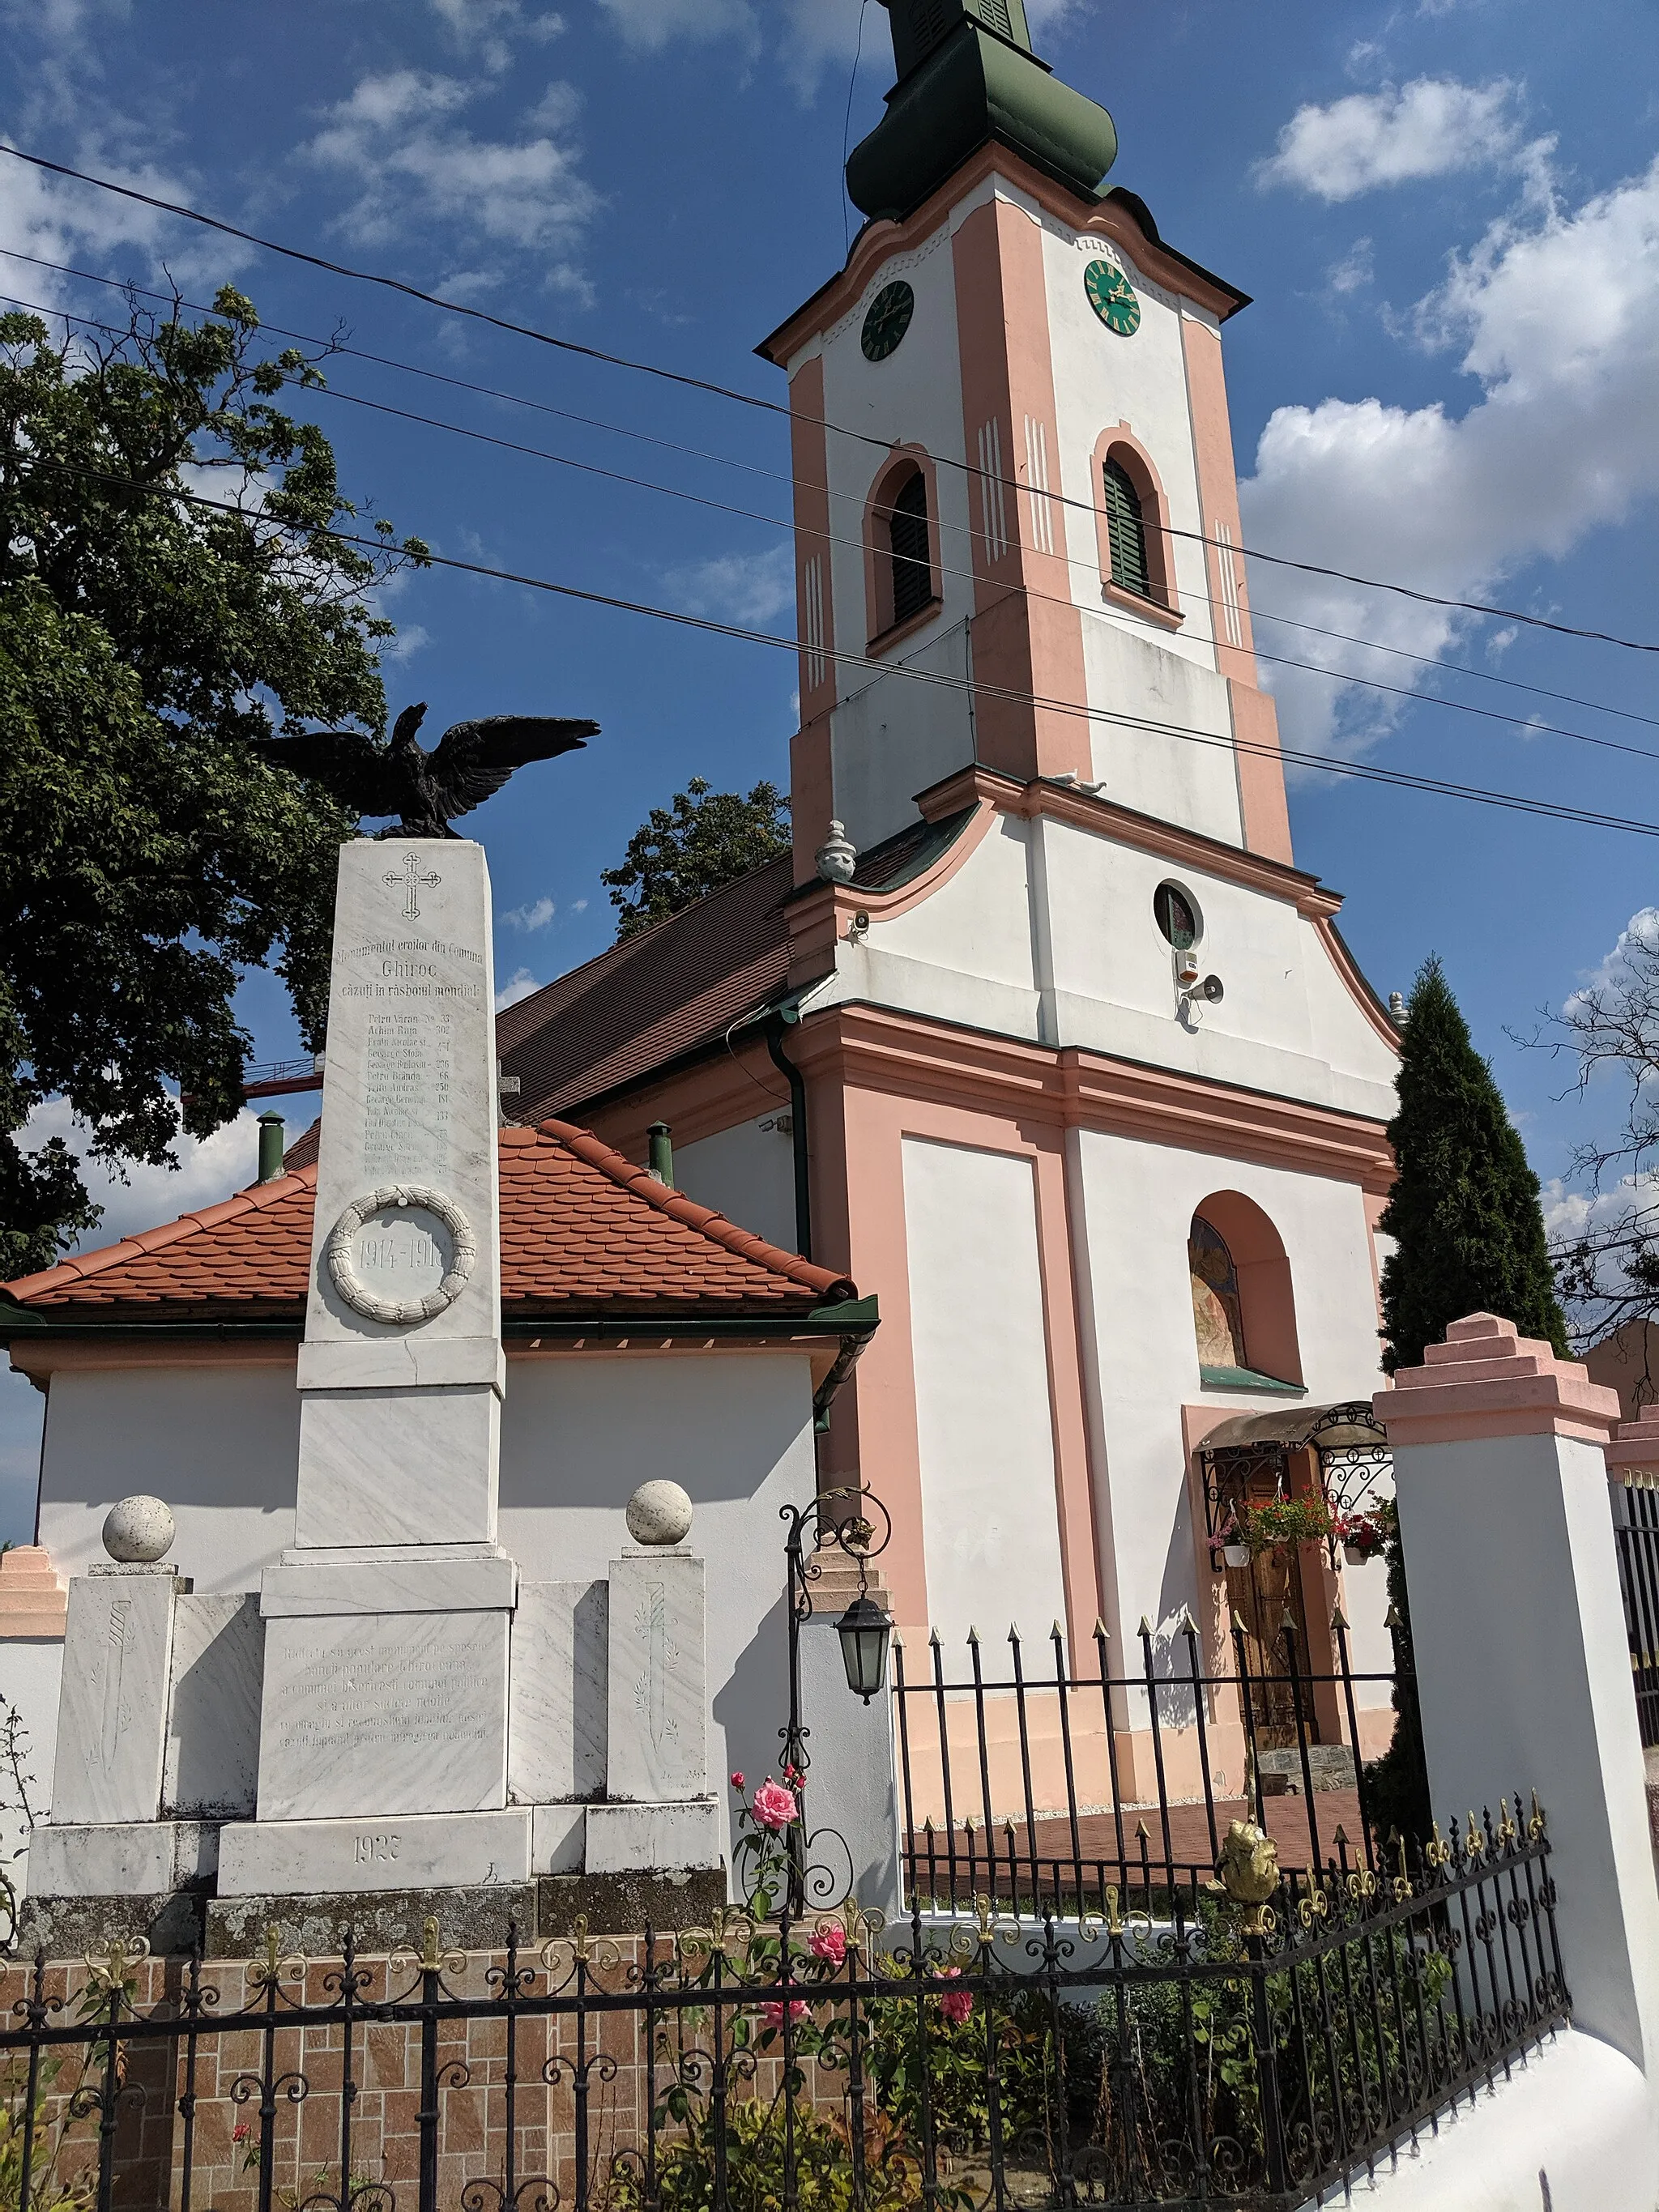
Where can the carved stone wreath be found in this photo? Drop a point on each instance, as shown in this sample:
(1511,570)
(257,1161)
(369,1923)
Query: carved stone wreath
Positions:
(399,1195)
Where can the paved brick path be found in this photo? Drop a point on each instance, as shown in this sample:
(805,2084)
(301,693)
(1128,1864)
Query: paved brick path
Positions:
(1189,1842)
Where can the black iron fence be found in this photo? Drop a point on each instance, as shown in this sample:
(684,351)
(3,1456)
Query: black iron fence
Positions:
(1636,1533)
(1055,1780)
(1279,2038)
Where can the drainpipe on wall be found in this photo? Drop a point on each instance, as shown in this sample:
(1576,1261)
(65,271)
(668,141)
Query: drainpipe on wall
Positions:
(777,1023)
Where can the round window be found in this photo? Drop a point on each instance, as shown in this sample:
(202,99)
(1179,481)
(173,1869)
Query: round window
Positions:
(1177,916)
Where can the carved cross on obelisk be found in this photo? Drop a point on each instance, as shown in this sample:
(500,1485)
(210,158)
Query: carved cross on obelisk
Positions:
(413,881)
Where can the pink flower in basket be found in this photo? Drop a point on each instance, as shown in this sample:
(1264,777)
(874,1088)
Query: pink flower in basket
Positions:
(773,1806)
(772,2014)
(957,2005)
(830,1943)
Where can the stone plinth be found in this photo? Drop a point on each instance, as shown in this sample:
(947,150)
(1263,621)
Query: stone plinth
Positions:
(112,1710)
(658,1698)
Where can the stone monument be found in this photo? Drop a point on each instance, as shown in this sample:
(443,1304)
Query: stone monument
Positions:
(392,1725)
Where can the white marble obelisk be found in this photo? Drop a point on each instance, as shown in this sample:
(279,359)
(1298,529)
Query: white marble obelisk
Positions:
(386,1624)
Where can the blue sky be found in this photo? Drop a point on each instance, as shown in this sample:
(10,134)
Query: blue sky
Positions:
(1447,213)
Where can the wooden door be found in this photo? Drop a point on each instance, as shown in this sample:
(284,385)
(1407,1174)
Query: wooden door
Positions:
(1259,1595)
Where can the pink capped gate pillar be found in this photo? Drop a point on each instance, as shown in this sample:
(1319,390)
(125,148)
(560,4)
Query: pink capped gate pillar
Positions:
(1524,1671)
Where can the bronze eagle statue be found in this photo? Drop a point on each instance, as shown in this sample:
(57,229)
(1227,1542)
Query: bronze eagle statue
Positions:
(469,763)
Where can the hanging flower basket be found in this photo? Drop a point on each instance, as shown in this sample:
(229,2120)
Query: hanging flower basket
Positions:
(1361,1536)
(1280,1523)
(1237,1555)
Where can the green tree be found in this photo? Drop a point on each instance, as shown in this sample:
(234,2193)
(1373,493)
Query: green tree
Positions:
(1469,1238)
(1463,1212)
(683,852)
(147,856)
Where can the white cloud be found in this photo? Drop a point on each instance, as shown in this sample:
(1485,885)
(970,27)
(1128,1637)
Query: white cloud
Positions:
(807,34)
(1428,128)
(1640,931)
(649,25)
(751,588)
(535,915)
(579,906)
(1563,437)
(520,984)
(209,1169)
(57,220)
(408,641)
(398,140)
(1354,272)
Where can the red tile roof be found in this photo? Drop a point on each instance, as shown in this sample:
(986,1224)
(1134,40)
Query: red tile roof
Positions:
(672,988)
(584,1232)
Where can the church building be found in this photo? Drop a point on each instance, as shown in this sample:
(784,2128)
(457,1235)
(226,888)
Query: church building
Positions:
(1039,1035)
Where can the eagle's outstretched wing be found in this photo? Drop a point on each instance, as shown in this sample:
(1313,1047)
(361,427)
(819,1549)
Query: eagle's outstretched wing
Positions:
(357,771)
(472,760)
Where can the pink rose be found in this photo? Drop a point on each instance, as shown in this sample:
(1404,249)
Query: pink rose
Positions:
(828,1943)
(957,2005)
(737,1779)
(773,1806)
(772,2014)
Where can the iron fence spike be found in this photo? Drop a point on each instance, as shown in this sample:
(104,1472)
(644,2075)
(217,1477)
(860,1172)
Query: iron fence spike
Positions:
(1102,1633)
(1391,1618)
(1057,1631)
(932,1638)
(1339,1619)
(1146,1627)
(1013,1631)
(973,1633)
(1141,1835)
(1341,1837)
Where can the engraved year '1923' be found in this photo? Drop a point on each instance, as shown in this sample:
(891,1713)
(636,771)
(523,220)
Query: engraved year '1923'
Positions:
(371,1847)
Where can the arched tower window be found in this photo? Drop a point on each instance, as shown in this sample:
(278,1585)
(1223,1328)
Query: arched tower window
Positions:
(1243,1302)
(909,555)
(1126,532)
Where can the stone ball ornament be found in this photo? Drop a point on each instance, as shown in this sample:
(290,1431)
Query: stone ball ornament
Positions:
(427,1260)
(138,1531)
(659,1513)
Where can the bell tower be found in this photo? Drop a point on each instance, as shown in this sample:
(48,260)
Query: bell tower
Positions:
(1015,508)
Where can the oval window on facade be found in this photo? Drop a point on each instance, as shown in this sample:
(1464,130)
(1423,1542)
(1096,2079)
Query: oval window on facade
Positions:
(1177,916)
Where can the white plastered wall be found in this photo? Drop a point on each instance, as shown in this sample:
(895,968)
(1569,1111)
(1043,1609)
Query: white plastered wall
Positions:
(747,1173)
(217,1441)
(578,1437)
(898,735)
(1047,933)
(985,1430)
(1133,1204)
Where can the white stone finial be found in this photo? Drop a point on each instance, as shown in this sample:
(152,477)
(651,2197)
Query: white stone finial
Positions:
(658,1513)
(138,1531)
(837,857)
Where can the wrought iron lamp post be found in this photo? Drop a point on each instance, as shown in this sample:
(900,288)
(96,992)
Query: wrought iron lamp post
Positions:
(842,1517)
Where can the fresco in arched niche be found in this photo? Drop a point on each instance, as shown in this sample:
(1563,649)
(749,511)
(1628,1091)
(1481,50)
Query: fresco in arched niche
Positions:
(1218,1315)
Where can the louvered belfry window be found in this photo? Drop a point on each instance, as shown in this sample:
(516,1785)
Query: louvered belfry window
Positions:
(907,532)
(1126,532)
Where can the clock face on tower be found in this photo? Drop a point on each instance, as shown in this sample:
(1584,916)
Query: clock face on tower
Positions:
(1112,297)
(888,319)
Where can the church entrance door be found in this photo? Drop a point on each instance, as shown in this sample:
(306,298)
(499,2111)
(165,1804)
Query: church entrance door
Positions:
(1260,1595)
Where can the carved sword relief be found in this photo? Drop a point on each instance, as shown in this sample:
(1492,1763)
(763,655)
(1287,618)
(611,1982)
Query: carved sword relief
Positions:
(115,1654)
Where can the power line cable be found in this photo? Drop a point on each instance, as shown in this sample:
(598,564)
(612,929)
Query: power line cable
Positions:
(748,514)
(783,477)
(1369,772)
(774,407)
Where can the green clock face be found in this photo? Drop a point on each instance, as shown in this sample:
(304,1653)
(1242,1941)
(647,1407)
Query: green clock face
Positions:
(1112,296)
(888,320)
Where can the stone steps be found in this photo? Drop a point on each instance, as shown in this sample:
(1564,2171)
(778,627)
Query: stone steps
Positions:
(32,1597)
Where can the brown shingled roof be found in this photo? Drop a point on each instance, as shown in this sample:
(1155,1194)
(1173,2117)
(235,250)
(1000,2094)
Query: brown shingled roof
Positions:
(584,1232)
(672,988)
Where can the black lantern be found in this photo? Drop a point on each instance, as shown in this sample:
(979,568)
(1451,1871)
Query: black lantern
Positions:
(864,1631)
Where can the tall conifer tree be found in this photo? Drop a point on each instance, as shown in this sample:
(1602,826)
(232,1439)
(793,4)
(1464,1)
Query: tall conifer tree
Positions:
(1463,1212)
